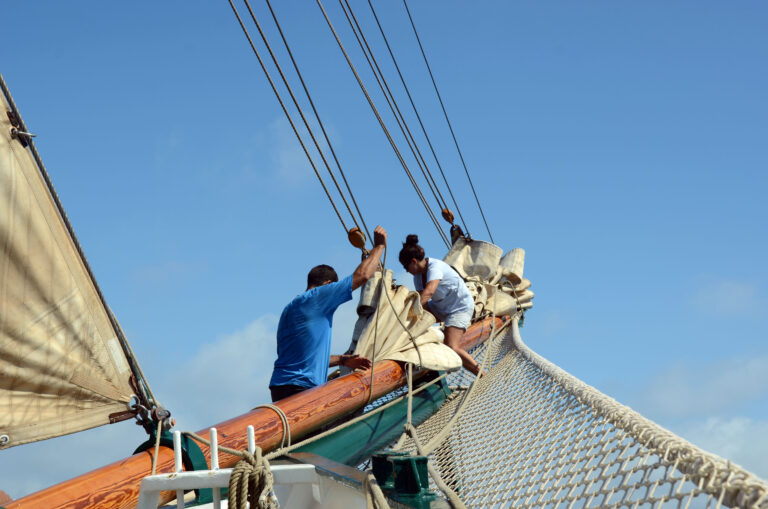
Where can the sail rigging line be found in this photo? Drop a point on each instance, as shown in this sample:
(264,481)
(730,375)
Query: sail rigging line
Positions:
(418,116)
(383,126)
(304,118)
(392,103)
(317,116)
(287,115)
(448,121)
(146,397)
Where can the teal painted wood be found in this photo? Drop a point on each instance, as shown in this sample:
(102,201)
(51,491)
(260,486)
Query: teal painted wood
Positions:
(352,445)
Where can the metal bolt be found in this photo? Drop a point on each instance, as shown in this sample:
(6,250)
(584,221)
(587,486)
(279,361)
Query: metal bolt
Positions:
(4,439)
(17,133)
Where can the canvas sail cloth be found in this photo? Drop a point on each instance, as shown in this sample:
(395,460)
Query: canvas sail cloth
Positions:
(387,328)
(62,368)
(495,282)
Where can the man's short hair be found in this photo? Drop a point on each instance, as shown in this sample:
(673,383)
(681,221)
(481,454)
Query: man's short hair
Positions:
(320,274)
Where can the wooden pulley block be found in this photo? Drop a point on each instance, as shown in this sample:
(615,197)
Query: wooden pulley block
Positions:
(356,237)
(448,215)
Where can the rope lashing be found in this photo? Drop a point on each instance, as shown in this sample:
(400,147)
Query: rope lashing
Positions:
(251,483)
(285,441)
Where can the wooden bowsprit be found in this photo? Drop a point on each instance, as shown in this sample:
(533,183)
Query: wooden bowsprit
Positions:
(116,486)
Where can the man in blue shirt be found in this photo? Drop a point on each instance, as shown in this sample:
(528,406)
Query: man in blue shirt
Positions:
(304,330)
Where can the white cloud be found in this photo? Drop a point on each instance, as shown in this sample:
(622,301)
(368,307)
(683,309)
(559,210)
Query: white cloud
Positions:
(291,164)
(702,390)
(725,298)
(742,440)
(224,379)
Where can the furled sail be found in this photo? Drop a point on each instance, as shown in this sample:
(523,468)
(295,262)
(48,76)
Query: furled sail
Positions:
(62,366)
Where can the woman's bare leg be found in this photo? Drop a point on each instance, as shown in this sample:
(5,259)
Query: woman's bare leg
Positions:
(453,337)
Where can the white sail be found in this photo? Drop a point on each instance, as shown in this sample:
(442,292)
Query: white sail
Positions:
(62,367)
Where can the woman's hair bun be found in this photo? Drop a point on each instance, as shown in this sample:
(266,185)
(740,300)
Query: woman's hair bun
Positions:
(412,240)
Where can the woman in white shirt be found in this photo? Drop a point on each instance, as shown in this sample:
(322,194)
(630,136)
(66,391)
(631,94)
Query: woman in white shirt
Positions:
(443,293)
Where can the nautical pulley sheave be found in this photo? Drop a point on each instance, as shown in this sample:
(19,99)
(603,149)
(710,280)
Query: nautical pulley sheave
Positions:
(62,367)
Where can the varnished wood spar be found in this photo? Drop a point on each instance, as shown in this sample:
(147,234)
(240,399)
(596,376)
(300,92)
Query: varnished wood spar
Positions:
(116,486)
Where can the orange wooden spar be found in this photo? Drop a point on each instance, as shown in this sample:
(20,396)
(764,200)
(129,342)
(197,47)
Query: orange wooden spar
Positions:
(116,485)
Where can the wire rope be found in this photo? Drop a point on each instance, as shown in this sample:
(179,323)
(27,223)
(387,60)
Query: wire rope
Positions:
(317,116)
(392,102)
(418,116)
(381,123)
(287,115)
(301,112)
(445,113)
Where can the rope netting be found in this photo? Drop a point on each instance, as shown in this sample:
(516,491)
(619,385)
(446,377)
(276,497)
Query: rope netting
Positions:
(534,436)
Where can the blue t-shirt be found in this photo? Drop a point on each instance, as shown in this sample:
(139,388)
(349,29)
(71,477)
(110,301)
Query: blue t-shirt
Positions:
(304,335)
(452,294)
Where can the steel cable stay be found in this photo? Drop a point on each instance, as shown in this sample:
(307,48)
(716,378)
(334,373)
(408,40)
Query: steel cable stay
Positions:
(418,116)
(304,119)
(448,121)
(287,115)
(382,124)
(392,103)
(317,116)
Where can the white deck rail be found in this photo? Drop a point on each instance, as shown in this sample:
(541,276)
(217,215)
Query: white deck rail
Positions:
(179,481)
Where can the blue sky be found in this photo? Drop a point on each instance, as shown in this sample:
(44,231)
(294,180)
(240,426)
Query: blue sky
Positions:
(623,145)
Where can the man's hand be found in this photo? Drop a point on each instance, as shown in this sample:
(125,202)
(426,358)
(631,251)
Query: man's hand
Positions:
(365,270)
(356,361)
(379,236)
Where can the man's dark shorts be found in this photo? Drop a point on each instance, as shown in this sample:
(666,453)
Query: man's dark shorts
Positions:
(283,391)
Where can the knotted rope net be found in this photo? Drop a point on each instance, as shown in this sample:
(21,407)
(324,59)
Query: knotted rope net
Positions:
(534,436)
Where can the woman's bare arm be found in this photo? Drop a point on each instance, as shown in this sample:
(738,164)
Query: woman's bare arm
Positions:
(428,291)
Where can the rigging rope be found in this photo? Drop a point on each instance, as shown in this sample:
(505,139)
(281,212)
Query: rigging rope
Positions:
(445,113)
(301,113)
(418,116)
(382,124)
(317,116)
(392,103)
(287,115)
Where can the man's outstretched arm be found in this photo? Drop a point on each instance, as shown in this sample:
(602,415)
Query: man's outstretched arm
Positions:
(353,361)
(367,268)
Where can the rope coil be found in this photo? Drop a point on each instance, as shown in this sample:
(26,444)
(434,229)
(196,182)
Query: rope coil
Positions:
(285,441)
(251,483)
